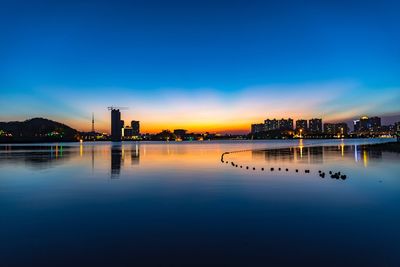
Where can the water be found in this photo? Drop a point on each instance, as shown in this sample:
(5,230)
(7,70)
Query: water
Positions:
(178,204)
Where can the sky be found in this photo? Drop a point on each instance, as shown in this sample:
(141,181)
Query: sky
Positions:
(214,66)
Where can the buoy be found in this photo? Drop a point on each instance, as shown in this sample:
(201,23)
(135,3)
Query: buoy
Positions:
(279,169)
(254,169)
(287,169)
(272,169)
(297,170)
(247,167)
(262,169)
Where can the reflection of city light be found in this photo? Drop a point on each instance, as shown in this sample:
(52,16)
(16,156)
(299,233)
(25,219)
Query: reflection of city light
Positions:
(301,146)
(81,149)
(355,153)
(365,158)
(342,149)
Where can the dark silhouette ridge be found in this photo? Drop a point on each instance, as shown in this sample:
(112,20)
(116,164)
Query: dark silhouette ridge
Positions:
(36,130)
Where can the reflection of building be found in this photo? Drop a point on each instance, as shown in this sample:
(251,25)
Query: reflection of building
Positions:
(301,125)
(315,125)
(116,158)
(116,125)
(135,155)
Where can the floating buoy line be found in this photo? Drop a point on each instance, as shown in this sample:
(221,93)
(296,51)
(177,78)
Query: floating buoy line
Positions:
(320,173)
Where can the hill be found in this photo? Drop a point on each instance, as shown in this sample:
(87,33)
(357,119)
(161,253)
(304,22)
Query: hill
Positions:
(36,130)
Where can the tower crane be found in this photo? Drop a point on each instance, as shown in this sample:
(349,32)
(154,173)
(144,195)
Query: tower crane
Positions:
(114,108)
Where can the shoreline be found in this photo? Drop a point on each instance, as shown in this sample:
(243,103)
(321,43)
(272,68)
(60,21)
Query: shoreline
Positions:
(173,141)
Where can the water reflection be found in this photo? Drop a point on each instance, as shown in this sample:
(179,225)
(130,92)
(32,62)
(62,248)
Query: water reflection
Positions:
(116,160)
(179,200)
(135,155)
(38,157)
(316,155)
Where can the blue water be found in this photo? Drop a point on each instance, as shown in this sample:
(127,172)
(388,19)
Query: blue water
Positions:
(178,204)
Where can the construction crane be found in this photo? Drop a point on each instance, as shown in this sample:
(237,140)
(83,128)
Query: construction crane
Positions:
(114,108)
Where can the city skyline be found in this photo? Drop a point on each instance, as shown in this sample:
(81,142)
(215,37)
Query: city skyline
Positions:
(203,66)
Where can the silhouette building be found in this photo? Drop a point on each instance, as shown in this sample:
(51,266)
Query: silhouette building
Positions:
(257,128)
(315,125)
(116,132)
(135,125)
(285,124)
(301,124)
(271,124)
(365,124)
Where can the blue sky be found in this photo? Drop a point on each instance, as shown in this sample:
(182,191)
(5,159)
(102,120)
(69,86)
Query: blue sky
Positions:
(215,65)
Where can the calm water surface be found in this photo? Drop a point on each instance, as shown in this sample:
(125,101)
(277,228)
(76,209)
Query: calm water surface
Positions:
(183,204)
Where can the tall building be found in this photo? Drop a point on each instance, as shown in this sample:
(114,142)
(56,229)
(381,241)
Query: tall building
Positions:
(375,123)
(329,128)
(365,124)
(285,124)
(336,128)
(315,125)
(271,124)
(128,131)
(135,128)
(116,125)
(356,125)
(342,128)
(257,128)
(301,124)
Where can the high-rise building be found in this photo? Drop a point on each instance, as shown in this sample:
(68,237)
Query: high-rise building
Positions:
(375,123)
(315,125)
(116,132)
(128,131)
(271,124)
(342,128)
(301,124)
(135,128)
(285,124)
(356,125)
(336,128)
(365,124)
(257,128)
(329,128)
